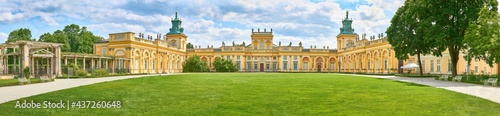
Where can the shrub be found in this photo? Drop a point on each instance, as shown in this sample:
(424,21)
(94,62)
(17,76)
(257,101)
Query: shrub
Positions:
(194,64)
(81,73)
(100,72)
(27,72)
(222,65)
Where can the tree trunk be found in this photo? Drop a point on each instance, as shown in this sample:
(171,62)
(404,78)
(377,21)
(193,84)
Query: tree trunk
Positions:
(454,60)
(420,64)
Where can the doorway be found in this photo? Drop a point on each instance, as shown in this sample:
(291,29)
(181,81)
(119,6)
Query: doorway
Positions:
(261,67)
(319,67)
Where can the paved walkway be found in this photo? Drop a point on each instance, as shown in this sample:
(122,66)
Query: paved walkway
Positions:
(16,92)
(486,92)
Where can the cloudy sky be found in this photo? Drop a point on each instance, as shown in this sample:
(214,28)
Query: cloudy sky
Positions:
(314,22)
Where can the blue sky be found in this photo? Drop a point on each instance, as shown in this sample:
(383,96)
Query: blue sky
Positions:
(314,22)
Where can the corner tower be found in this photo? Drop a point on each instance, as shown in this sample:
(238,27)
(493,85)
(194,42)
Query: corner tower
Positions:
(176,37)
(347,37)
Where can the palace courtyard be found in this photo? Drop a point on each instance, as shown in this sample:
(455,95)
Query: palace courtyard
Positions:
(261,94)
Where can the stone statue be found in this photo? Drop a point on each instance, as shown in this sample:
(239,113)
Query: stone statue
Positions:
(300,44)
(280,43)
(233,43)
(208,46)
(290,44)
(311,46)
(243,43)
(212,46)
(223,44)
(327,47)
(323,47)
(199,46)
(314,46)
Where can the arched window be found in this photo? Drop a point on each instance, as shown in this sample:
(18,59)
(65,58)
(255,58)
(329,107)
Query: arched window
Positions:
(261,45)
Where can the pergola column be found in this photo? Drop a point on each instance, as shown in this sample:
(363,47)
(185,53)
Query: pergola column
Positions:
(57,60)
(47,69)
(92,63)
(76,62)
(106,65)
(32,65)
(99,64)
(84,63)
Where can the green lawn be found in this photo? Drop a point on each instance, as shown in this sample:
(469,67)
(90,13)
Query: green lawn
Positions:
(263,94)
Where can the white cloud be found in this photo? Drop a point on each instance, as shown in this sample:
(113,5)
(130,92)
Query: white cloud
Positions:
(3,37)
(211,22)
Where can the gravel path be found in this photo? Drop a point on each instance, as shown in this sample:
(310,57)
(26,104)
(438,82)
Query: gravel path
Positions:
(10,93)
(485,92)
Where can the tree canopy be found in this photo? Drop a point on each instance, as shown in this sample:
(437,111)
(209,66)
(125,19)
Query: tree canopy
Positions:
(73,38)
(443,24)
(189,46)
(19,34)
(406,32)
(483,35)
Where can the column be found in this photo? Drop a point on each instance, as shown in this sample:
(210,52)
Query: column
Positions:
(32,65)
(106,65)
(92,63)
(76,64)
(57,59)
(113,67)
(84,64)
(99,64)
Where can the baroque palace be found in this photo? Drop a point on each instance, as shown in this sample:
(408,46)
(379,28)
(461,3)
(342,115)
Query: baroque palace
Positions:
(165,54)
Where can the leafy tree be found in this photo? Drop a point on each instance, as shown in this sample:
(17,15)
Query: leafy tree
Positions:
(222,65)
(483,35)
(73,38)
(19,34)
(194,64)
(448,21)
(406,32)
(189,46)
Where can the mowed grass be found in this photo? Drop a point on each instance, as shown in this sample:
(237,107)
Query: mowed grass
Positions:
(262,94)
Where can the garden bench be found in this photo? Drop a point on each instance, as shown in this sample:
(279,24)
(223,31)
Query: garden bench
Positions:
(443,77)
(457,78)
(45,78)
(493,81)
(23,80)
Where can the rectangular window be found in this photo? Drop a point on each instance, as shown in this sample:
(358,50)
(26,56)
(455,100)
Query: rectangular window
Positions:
(369,65)
(238,65)
(249,66)
(274,66)
(331,66)
(295,67)
(249,58)
(432,65)
(438,65)
(285,65)
(423,66)
(475,69)
(306,66)
(238,57)
(104,49)
(228,57)
(146,64)
(268,46)
(284,57)
(255,66)
(294,57)
(154,65)
(385,64)
(267,66)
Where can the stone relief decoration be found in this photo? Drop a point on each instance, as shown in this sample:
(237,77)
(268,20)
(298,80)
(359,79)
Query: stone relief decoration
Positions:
(120,37)
(172,43)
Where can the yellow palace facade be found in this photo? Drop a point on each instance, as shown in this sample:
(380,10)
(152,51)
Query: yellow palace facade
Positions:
(354,53)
